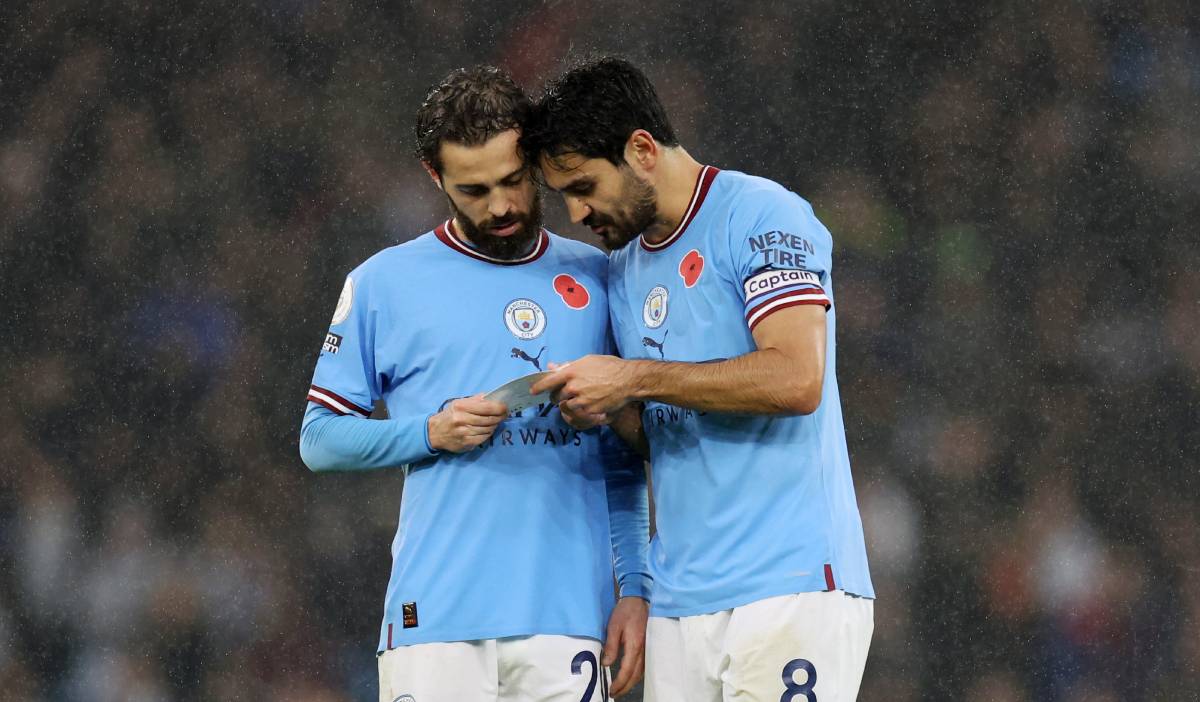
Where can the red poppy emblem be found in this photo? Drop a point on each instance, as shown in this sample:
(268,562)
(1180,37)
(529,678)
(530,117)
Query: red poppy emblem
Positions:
(571,291)
(691,267)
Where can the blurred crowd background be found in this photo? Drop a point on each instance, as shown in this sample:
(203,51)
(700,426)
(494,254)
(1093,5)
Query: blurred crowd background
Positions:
(1013,190)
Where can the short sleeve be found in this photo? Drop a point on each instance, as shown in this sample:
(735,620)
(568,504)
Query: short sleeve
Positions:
(345,380)
(781,251)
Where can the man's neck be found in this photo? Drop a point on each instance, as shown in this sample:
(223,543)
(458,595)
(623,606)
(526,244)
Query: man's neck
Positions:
(675,183)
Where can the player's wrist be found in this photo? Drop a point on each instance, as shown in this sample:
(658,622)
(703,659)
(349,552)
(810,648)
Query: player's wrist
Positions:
(429,435)
(640,374)
(433,434)
(635,585)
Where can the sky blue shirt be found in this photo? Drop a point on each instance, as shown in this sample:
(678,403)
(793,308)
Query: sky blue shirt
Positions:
(519,536)
(747,507)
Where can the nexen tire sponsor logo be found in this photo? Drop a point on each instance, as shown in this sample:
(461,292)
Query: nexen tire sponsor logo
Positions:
(775,279)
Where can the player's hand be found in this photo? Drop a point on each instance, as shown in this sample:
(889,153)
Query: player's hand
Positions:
(465,423)
(626,634)
(591,387)
(578,420)
(627,423)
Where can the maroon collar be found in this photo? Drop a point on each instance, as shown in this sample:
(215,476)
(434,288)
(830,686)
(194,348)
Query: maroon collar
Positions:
(445,233)
(703,183)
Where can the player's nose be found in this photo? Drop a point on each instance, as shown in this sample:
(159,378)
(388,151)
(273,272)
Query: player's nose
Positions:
(500,205)
(577,209)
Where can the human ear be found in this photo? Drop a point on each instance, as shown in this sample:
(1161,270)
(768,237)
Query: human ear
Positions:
(641,150)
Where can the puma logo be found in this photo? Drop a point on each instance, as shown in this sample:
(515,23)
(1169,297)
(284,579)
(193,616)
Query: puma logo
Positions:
(652,344)
(518,353)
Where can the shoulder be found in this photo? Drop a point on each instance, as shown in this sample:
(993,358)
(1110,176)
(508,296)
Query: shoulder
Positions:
(572,248)
(577,254)
(392,262)
(752,196)
(765,211)
(618,260)
(619,257)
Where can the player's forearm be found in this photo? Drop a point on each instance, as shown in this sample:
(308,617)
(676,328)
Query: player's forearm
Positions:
(329,442)
(761,382)
(629,520)
(631,547)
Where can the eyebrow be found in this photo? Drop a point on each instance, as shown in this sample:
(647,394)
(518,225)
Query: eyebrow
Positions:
(510,176)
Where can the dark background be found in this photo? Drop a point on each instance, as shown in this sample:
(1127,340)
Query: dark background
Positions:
(1013,193)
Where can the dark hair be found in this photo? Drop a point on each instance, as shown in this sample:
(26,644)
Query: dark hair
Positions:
(592,109)
(469,106)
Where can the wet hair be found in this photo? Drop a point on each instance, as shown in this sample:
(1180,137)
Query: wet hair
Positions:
(469,106)
(592,109)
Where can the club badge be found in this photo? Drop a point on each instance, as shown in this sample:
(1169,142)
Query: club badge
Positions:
(654,311)
(525,319)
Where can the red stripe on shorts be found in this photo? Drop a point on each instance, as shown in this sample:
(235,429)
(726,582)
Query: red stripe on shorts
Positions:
(390,635)
(829,577)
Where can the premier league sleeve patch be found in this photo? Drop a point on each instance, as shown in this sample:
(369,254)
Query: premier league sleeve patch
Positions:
(345,301)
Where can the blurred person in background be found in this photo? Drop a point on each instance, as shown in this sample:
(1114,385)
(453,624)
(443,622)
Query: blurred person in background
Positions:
(511,523)
(723,310)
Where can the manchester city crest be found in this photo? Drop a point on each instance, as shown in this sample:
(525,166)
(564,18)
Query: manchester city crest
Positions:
(654,311)
(525,319)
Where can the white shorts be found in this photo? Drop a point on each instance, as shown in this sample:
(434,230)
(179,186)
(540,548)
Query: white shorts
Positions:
(525,668)
(795,648)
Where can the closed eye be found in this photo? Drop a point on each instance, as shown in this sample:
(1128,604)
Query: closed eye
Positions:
(514,179)
(580,188)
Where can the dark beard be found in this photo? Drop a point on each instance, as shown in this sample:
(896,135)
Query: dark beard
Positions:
(505,248)
(626,225)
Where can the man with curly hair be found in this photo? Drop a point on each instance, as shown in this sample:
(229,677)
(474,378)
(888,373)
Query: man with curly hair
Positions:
(511,522)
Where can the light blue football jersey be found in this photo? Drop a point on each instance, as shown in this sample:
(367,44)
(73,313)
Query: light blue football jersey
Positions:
(512,538)
(747,507)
